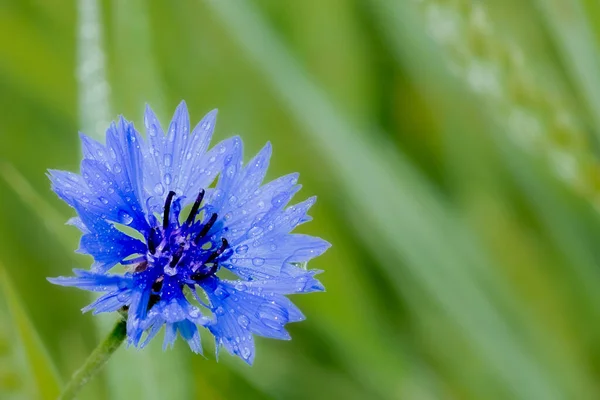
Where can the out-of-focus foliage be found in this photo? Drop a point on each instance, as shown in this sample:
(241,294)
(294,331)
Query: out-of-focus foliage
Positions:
(452,145)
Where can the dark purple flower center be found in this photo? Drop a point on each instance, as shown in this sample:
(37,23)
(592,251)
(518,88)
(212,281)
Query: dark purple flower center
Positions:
(187,252)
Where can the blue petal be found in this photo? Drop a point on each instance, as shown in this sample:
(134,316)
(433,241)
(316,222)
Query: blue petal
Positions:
(264,256)
(105,243)
(203,174)
(152,152)
(110,185)
(240,312)
(109,302)
(96,282)
(191,335)
(123,143)
(136,314)
(117,286)
(254,173)
(194,154)
(179,161)
(258,207)
(302,281)
(174,151)
(165,155)
(113,202)
(176,314)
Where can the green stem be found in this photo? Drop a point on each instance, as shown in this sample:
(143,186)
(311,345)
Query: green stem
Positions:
(95,361)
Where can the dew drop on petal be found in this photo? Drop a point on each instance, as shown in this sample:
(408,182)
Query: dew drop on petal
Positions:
(168,160)
(104,200)
(241,287)
(279,200)
(219,311)
(220,293)
(125,218)
(159,189)
(258,261)
(243,249)
(273,316)
(245,352)
(255,231)
(167,178)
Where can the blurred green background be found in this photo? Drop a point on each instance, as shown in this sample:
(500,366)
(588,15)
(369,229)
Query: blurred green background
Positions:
(453,147)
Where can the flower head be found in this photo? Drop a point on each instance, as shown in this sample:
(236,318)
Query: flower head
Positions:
(189,230)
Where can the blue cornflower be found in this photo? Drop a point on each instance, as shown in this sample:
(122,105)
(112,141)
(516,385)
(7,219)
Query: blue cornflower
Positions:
(187,231)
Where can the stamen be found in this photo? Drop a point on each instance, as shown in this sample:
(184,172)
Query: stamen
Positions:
(141,266)
(211,259)
(206,227)
(195,208)
(151,240)
(168,209)
(157,285)
(176,257)
(219,251)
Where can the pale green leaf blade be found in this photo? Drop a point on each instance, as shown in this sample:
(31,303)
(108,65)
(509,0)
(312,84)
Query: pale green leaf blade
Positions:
(43,373)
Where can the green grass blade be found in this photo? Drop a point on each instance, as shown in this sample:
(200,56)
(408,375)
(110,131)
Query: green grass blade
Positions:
(137,79)
(406,216)
(94,89)
(43,373)
(568,24)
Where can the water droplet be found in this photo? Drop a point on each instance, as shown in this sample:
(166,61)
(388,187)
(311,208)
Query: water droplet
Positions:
(222,149)
(232,200)
(279,200)
(273,247)
(220,293)
(125,218)
(273,315)
(246,352)
(104,200)
(261,204)
(212,159)
(85,199)
(122,297)
(241,287)
(255,231)
(243,249)
(117,168)
(167,178)
(159,189)
(219,311)
(168,160)
(188,155)
(258,261)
